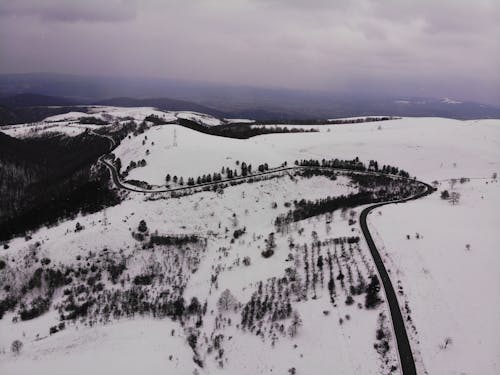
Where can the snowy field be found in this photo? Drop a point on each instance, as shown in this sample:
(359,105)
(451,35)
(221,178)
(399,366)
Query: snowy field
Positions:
(449,274)
(451,290)
(125,347)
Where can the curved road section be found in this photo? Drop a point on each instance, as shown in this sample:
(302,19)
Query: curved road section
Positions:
(405,353)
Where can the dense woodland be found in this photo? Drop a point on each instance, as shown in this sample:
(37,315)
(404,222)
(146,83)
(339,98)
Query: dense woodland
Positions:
(240,131)
(355,120)
(44,179)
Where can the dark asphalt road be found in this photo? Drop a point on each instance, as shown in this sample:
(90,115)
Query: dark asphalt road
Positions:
(404,347)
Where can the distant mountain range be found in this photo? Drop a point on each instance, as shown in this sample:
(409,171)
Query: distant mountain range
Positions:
(25,98)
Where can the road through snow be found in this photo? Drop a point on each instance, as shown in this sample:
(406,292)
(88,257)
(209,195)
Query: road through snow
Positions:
(406,359)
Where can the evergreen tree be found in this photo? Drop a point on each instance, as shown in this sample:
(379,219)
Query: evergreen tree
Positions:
(142,226)
(372,298)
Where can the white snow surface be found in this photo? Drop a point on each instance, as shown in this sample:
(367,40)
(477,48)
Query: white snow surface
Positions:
(238,120)
(127,347)
(200,118)
(451,291)
(429,148)
(202,213)
(68,123)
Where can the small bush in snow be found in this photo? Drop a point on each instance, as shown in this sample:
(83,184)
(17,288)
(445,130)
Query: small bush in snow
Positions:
(454,198)
(142,226)
(246,261)
(349,300)
(447,342)
(270,246)
(445,195)
(16,347)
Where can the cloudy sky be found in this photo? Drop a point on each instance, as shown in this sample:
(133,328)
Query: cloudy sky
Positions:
(408,47)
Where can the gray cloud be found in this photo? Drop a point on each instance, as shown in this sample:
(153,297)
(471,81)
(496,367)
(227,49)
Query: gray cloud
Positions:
(70,11)
(445,48)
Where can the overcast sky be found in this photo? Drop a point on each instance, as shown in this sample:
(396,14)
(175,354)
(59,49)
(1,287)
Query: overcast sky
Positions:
(408,47)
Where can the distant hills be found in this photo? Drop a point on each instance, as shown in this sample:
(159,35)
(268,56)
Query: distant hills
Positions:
(31,100)
(166,104)
(22,97)
(24,108)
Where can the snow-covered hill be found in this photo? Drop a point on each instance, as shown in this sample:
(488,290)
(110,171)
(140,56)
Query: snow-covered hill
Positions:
(71,123)
(430,148)
(444,286)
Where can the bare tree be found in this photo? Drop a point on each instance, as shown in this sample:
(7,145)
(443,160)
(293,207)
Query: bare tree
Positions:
(226,301)
(295,324)
(454,198)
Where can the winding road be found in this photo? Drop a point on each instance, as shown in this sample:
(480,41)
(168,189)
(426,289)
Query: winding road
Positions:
(405,354)
(406,359)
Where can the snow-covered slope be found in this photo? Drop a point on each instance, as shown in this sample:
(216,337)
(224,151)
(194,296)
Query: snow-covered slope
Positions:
(338,336)
(430,148)
(450,291)
(69,123)
(195,153)
(449,271)
(199,118)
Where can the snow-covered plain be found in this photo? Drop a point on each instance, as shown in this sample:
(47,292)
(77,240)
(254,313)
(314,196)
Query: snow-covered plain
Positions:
(450,291)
